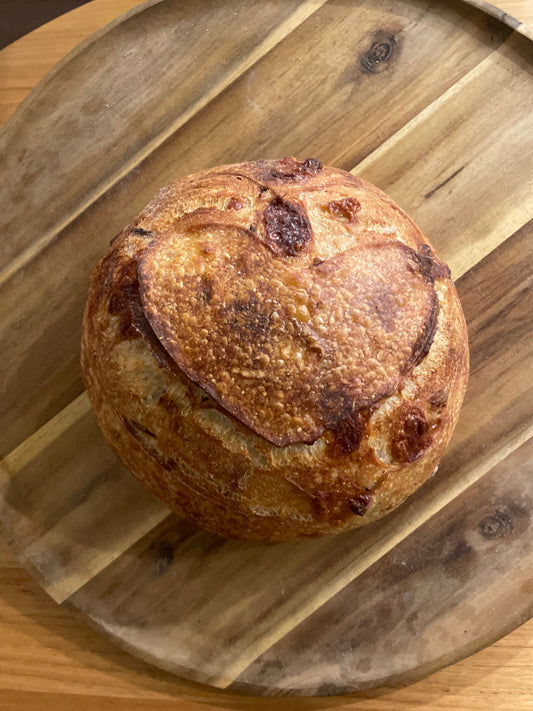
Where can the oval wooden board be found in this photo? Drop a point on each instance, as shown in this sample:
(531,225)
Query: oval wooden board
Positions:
(433,102)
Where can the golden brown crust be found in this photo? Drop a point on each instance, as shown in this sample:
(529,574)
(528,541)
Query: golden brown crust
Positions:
(275,350)
(288,349)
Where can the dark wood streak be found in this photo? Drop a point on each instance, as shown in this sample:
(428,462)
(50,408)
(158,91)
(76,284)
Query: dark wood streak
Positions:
(444,182)
(519,295)
(164,556)
(495,297)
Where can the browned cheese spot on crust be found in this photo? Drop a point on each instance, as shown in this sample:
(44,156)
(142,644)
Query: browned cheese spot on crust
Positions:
(342,499)
(427,264)
(234,204)
(360,503)
(412,434)
(348,433)
(288,170)
(344,210)
(287,229)
(289,348)
(439,399)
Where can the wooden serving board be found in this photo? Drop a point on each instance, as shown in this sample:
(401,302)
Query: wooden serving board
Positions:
(433,102)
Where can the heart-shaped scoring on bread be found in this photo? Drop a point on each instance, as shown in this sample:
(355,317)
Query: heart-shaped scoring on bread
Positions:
(275,351)
(288,344)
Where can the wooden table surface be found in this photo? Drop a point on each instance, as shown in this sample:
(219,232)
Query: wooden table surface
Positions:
(50,659)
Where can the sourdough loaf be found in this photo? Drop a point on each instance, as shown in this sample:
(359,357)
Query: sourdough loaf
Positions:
(275,350)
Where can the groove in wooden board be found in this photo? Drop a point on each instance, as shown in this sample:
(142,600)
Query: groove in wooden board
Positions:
(263,592)
(32,447)
(44,324)
(503,16)
(452,144)
(151,103)
(32,60)
(436,597)
(68,505)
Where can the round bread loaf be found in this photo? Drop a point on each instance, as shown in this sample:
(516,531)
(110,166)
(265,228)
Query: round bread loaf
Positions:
(274,349)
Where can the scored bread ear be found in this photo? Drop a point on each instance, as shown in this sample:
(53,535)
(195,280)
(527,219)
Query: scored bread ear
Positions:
(287,343)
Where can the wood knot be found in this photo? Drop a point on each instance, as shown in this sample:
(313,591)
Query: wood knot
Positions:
(164,556)
(382,50)
(496,525)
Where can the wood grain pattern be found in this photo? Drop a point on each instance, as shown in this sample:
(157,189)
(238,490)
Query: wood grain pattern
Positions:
(474,190)
(425,601)
(444,60)
(129,115)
